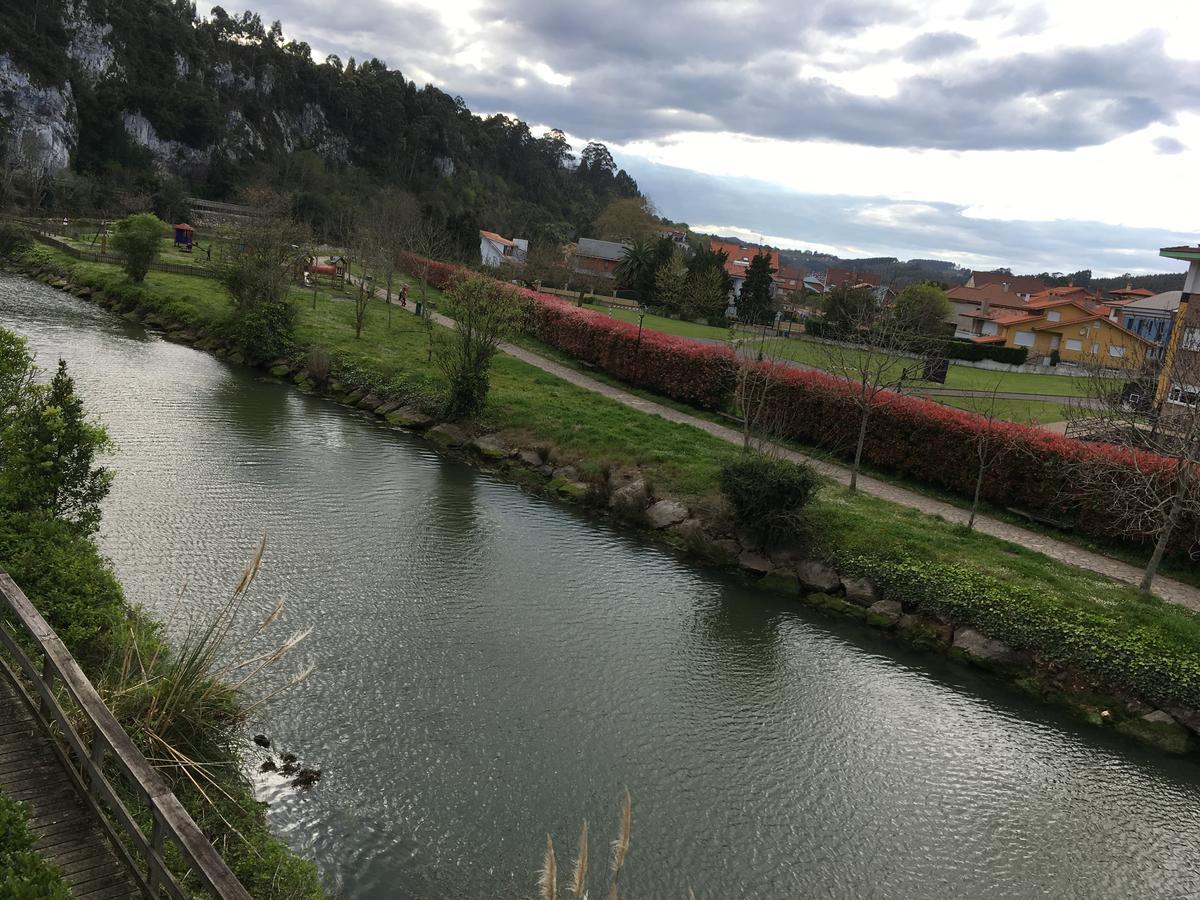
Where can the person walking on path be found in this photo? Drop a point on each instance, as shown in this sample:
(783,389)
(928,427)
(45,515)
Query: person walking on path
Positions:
(404,295)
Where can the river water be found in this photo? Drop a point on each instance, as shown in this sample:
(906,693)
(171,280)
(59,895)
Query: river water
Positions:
(490,667)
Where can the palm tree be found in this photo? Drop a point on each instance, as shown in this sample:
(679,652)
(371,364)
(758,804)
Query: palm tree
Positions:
(635,271)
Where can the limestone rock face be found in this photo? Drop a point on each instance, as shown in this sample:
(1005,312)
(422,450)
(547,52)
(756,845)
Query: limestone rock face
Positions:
(665,513)
(815,576)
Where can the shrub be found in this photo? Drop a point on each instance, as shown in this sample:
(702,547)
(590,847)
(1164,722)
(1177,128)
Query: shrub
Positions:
(767,495)
(484,312)
(24,875)
(14,240)
(265,332)
(137,239)
(318,364)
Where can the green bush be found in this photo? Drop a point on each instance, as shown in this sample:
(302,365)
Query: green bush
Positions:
(23,874)
(266,332)
(767,495)
(137,239)
(14,240)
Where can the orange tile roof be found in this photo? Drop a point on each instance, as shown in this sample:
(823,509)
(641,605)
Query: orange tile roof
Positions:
(736,252)
(492,236)
(989,339)
(992,293)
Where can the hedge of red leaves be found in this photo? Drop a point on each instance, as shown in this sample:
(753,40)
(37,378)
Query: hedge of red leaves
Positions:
(1037,471)
(926,442)
(689,371)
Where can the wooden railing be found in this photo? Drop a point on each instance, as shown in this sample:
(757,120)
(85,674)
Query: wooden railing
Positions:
(92,256)
(57,681)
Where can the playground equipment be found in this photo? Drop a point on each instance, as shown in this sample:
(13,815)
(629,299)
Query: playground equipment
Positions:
(183,237)
(334,269)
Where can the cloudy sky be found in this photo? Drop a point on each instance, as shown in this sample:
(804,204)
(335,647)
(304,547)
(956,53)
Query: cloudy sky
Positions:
(1050,135)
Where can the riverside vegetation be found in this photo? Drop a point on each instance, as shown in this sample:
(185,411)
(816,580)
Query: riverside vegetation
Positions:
(1119,658)
(176,701)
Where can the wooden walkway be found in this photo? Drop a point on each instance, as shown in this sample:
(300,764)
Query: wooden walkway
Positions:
(66,831)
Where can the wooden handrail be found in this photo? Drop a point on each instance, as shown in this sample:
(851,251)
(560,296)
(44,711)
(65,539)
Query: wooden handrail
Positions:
(85,767)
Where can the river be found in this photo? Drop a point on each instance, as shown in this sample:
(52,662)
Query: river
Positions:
(491,666)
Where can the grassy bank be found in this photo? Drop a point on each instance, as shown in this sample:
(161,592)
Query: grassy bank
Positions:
(1102,633)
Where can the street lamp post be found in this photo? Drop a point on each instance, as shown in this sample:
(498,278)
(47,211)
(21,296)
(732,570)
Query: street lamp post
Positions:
(637,353)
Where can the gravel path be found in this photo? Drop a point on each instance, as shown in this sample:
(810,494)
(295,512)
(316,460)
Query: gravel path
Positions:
(1166,588)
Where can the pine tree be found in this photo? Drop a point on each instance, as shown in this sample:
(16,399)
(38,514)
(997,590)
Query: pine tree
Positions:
(755,304)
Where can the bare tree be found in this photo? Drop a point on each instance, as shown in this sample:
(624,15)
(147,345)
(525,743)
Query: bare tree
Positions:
(485,311)
(878,352)
(428,242)
(753,389)
(392,215)
(991,441)
(1152,487)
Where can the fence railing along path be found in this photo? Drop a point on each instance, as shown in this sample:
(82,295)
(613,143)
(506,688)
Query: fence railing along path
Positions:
(115,259)
(63,752)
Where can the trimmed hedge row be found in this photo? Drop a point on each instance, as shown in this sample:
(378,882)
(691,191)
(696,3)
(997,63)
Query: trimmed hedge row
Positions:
(927,442)
(699,374)
(936,445)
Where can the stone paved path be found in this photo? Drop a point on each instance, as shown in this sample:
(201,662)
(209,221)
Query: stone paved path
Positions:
(1166,588)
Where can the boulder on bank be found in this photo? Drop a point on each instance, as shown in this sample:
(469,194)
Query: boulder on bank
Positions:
(369,401)
(411,417)
(980,648)
(755,563)
(884,613)
(924,632)
(666,513)
(860,591)
(817,577)
(1160,729)
(530,458)
(630,497)
(488,447)
(389,406)
(447,435)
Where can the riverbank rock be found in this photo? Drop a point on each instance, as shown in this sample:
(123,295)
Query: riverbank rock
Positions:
(530,458)
(388,406)
(923,632)
(884,613)
(630,497)
(1160,729)
(370,401)
(755,563)
(409,417)
(488,447)
(860,591)
(666,513)
(447,435)
(985,650)
(815,576)
(690,532)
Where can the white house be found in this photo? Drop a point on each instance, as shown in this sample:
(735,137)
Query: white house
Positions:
(495,250)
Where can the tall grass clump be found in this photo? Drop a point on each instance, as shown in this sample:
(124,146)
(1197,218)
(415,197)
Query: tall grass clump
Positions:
(577,886)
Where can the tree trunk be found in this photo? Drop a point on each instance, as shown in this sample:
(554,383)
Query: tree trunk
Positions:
(858,450)
(1164,538)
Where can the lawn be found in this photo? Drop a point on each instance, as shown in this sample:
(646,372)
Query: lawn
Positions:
(813,353)
(1040,412)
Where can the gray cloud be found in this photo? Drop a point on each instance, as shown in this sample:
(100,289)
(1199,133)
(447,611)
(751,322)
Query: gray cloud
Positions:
(1169,145)
(936,45)
(905,229)
(715,67)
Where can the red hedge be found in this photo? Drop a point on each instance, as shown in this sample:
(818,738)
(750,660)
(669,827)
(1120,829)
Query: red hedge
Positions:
(936,445)
(685,370)
(917,439)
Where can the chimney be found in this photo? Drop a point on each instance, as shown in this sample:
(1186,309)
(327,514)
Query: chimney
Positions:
(1004,284)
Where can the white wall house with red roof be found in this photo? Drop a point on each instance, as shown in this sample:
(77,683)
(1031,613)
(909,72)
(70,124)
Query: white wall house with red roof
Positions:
(495,250)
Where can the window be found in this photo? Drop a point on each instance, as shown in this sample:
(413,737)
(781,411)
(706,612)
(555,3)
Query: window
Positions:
(1074,344)
(1054,315)
(1023,339)
(1190,340)
(1183,394)
(1095,347)
(1116,350)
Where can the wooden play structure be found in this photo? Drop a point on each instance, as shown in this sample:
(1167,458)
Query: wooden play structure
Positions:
(183,237)
(333,269)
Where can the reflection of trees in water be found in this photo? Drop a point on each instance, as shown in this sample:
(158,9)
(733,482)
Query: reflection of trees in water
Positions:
(736,642)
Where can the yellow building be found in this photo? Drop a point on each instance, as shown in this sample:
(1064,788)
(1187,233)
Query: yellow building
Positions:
(1067,320)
